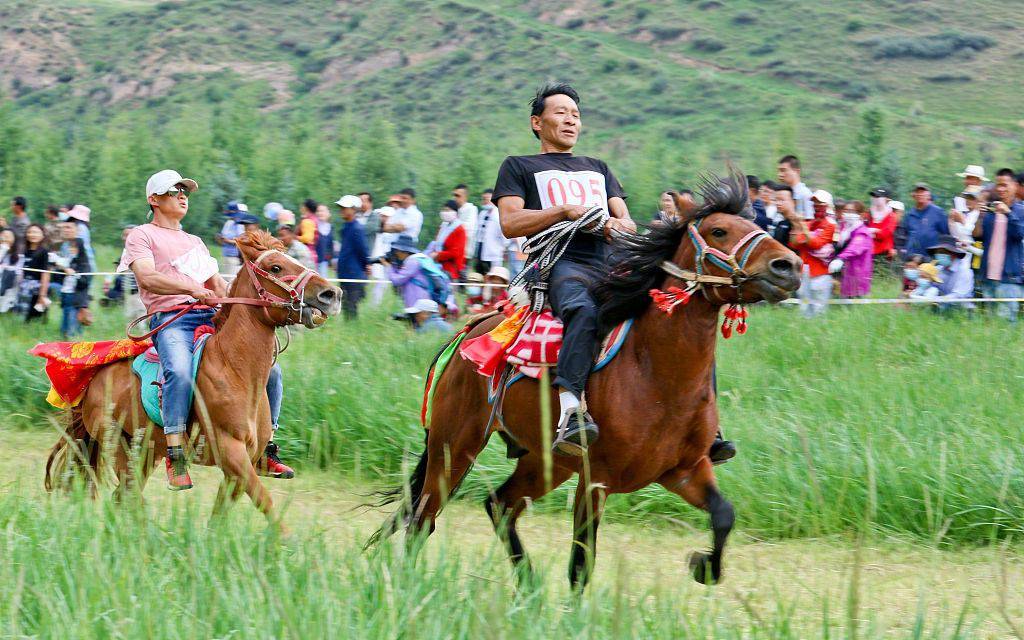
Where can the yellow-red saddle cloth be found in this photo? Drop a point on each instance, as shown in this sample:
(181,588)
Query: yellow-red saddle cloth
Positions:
(70,366)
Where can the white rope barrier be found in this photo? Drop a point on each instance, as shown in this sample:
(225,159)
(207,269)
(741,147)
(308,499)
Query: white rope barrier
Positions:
(834,301)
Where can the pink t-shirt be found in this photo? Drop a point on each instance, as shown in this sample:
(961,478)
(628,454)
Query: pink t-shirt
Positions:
(175,254)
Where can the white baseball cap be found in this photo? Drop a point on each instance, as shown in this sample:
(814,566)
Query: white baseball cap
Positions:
(973,171)
(423,304)
(896,205)
(349,201)
(500,272)
(161,181)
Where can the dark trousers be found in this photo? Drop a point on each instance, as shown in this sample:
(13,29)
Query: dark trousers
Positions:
(352,294)
(573,304)
(482,266)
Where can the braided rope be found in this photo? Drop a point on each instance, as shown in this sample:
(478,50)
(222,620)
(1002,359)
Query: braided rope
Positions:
(547,247)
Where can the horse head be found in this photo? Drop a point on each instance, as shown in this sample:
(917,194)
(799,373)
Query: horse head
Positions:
(728,257)
(297,294)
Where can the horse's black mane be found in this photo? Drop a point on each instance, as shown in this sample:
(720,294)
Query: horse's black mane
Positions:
(623,291)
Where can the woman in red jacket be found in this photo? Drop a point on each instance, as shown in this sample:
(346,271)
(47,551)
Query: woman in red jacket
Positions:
(882,224)
(449,249)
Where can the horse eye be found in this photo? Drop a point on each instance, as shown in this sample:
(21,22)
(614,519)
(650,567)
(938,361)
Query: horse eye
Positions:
(719,233)
(275,269)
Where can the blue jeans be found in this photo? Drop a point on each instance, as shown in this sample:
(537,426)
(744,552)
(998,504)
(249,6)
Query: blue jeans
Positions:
(994,289)
(69,326)
(174,344)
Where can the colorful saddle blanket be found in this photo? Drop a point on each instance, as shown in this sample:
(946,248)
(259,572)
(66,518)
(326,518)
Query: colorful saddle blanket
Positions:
(147,367)
(527,342)
(70,366)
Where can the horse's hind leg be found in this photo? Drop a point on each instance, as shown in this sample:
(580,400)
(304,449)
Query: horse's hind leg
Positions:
(587,511)
(507,503)
(701,491)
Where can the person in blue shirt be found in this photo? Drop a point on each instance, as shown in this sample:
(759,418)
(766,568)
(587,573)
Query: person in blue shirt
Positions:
(924,223)
(231,262)
(1001,228)
(425,316)
(761,218)
(352,256)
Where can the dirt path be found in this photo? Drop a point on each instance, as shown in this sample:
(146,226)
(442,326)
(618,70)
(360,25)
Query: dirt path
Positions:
(898,580)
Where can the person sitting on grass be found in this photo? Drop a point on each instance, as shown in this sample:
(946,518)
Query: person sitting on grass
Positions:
(911,271)
(425,316)
(927,282)
(956,277)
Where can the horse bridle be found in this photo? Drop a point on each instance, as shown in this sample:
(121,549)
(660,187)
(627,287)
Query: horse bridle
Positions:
(733,263)
(294,287)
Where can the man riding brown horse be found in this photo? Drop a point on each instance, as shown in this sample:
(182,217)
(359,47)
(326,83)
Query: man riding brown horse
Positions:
(173,268)
(535,192)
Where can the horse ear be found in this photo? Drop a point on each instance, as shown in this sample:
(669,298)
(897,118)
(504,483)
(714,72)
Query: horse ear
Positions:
(685,205)
(246,244)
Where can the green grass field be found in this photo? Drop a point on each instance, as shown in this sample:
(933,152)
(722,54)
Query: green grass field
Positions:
(879,490)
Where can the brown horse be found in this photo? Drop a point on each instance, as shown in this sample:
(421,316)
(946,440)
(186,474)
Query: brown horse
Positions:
(231,410)
(655,402)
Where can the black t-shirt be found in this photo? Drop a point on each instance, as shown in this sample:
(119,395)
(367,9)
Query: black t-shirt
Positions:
(36,259)
(551,179)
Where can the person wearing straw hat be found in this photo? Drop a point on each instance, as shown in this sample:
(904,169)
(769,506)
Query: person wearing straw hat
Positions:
(927,282)
(974,176)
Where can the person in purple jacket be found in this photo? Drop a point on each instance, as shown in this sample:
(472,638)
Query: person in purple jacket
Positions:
(855,256)
(407,275)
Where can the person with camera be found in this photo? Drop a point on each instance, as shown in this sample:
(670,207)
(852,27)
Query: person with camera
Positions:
(1001,228)
(404,268)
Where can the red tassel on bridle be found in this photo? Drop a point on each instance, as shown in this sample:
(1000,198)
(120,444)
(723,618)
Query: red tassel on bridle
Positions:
(669,299)
(735,317)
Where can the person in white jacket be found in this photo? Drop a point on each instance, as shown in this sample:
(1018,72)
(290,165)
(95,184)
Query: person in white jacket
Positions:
(467,216)
(490,241)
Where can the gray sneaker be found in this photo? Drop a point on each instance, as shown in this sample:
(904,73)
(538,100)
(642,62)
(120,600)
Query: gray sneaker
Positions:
(576,432)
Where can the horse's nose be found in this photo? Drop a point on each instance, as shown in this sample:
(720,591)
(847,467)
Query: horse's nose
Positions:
(783,267)
(329,296)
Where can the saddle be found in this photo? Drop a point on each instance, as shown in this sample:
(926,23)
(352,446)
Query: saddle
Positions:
(147,367)
(70,366)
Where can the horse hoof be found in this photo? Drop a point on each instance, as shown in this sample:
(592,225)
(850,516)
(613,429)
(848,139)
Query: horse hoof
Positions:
(701,566)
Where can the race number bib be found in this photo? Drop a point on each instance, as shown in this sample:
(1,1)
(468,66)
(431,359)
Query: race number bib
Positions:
(585,188)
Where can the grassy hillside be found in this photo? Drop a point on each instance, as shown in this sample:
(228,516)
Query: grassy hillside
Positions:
(669,88)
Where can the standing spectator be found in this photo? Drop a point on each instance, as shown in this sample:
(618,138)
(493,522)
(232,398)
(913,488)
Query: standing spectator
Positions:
(449,249)
(294,248)
(407,275)
(230,260)
(271,210)
(855,252)
(81,214)
(407,218)
(32,299)
(974,178)
(52,215)
(128,285)
(925,222)
(1002,230)
(352,256)
(368,217)
(381,246)
(789,174)
(74,288)
(490,242)
(963,221)
(756,203)
(325,236)
(956,280)
(306,229)
(783,199)
(1020,185)
(882,225)
(813,240)
(667,210)
(19,223)
(467,216)
(10,262)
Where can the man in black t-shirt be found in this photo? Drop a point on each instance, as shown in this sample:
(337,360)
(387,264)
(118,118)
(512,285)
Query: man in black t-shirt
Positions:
(536,192)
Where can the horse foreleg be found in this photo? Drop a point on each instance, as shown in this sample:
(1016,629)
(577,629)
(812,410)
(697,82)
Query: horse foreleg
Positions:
(587,511)
(240,475)
(507,503)
(448,462)
(699,489)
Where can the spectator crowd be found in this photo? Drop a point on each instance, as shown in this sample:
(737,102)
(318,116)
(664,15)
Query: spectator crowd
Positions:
(974,247)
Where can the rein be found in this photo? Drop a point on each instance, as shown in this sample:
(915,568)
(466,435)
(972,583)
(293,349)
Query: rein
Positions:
(293,286)
(733,263)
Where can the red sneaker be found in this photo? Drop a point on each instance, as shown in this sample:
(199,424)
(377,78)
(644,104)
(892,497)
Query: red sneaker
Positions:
(272,466)
(177,474)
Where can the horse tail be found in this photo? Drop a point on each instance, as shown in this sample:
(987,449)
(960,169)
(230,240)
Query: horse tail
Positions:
(76,435)
(408,493)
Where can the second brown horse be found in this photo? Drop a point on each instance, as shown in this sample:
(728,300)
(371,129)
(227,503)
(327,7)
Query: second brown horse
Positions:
(655,401)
